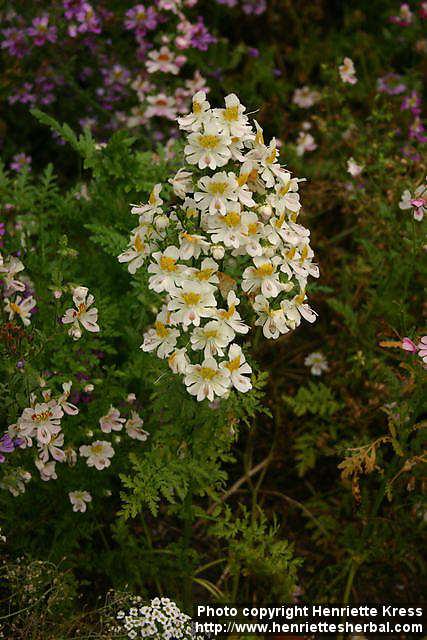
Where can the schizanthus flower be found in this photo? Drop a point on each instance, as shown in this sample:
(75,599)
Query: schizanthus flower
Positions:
(229,256)
(82,315)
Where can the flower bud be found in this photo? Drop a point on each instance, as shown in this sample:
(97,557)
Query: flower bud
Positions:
(265,212)
(217,251)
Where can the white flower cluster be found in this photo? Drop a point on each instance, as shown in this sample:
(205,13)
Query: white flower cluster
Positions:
(160,620)
(40,424)
(232,236)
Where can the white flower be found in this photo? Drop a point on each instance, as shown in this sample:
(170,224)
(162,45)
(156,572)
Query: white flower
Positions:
(232,119)
(305,142)
(82,314)
(297,308)
(353,168)
(227,228)
(231,317)
(207,380)
(153,206)
(209,148)
(305,97)
(134,428)
(199,116)
(216,191)
(111,421)
(207,273)
(347,71)
(213,337)
(286,199)
(191,303)
(79,500)
(164,61)
(416,202)
(98,454)
(160,105)
(182,183)
(21,307)
(9,270)
(266,157)
(68,408)
(178,361)
(192,245)
(262,277)
(166,270)
(137,250)
(238,367)
(317,363)
(160,337)
(41,421)
(272,321)
(405,200)
(47,470)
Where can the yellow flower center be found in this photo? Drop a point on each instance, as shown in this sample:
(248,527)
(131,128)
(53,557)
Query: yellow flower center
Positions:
(234,364)
(152,199)
(243,178)
(209,142)
(197,107)
(207,373)
(161,330)
(226,315)
(304,253)
(15,308)
(291,253)
(138,244)
(252,228)
(191,298)
(212,333)
(97,449)
(204,274)
(191,213)
(232,219)
(189,237)
(81,309)
(231,114)
(279,222)
(168,264)
(218,188)
(272,157)
(284,189)
(299,299)
(264,270)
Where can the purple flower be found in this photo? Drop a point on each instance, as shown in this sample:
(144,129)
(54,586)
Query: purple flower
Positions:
(413,103)
(141,19)
(416,130)
(89,21)
(41,31)
(199,36)
(6,446)
(24,95)
(14,42)
(253,52)
(21,162)
(391,84)
(254,7)
(229,3)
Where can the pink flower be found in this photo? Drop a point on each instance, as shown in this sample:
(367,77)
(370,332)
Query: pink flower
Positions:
(422,349)
(408,345)
(404,17)
(41,31)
